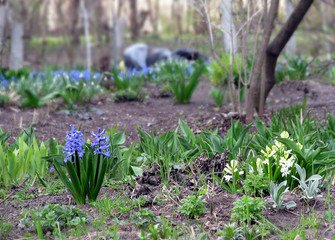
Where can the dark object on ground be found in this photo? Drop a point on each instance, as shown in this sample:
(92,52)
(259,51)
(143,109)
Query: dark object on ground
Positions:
(157,55)
(188,54)
(139,55)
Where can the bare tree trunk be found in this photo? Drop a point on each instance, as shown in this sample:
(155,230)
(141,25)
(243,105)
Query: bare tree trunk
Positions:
(176,8)
(291,47)
(134,25)
(3,21)
(75,34)
(254,91)
(227,22)
(155,20)
(86,21)
(117,33)
(278,43)
(17,45)
(3,17)
(154,15)
(229,43)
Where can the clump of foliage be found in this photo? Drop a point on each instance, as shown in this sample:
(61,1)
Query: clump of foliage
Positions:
(22,159)
(52,218)
(118,205)
(84,167)
(247,220)
(128,95)
(144,218)
(181,81)
(255,185)
(310,187)
(5,229)
(162,230)
(293,68)
(128,86)
(277,192)
(217,95)
(3,99)
(219,70)
(73,87)
(247,210)
(164,71)
(192,206)
(12,74)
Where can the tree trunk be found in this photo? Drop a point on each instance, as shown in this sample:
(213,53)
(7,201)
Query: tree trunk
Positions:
(154,15)
(177,9)
(255,91)
(134,25)
(117,35)
(75,34)
(99,21)
(86,21)
(291,47)
(227,22)
(155,20)
(277,45)
(17,45)
(3,17)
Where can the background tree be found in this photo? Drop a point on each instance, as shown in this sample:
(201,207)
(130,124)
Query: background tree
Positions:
(134,25)
(17,15)
(291,47)
(3,21)
(256,98)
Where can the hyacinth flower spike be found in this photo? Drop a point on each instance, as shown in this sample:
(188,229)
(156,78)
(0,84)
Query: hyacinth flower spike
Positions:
(101,151)
(83,168)
(72,170)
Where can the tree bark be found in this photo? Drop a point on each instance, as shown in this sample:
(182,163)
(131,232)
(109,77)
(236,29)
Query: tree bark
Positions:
(117,36)
(17,45)
(177,9)
(255,82)
(291,47)
(3,17)
(134,25)
(227,22)
(75,34)
(86,21)
(277,45)
(155,20)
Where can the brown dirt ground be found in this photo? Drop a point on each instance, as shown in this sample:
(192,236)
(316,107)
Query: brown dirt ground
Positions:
(161,114)
(158,114)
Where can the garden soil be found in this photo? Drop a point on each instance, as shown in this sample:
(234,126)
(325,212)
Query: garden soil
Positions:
(158,114)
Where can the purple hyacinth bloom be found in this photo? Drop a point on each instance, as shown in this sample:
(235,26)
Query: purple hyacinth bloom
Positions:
(75,143)
(100,143)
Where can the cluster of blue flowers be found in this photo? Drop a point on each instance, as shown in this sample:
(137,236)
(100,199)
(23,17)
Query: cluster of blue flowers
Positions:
(4,83)
(75,144)
(74,75)
(101,145)
(144,72)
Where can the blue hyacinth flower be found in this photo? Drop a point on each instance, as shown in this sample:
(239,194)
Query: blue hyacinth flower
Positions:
(75,143)
(100,144)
